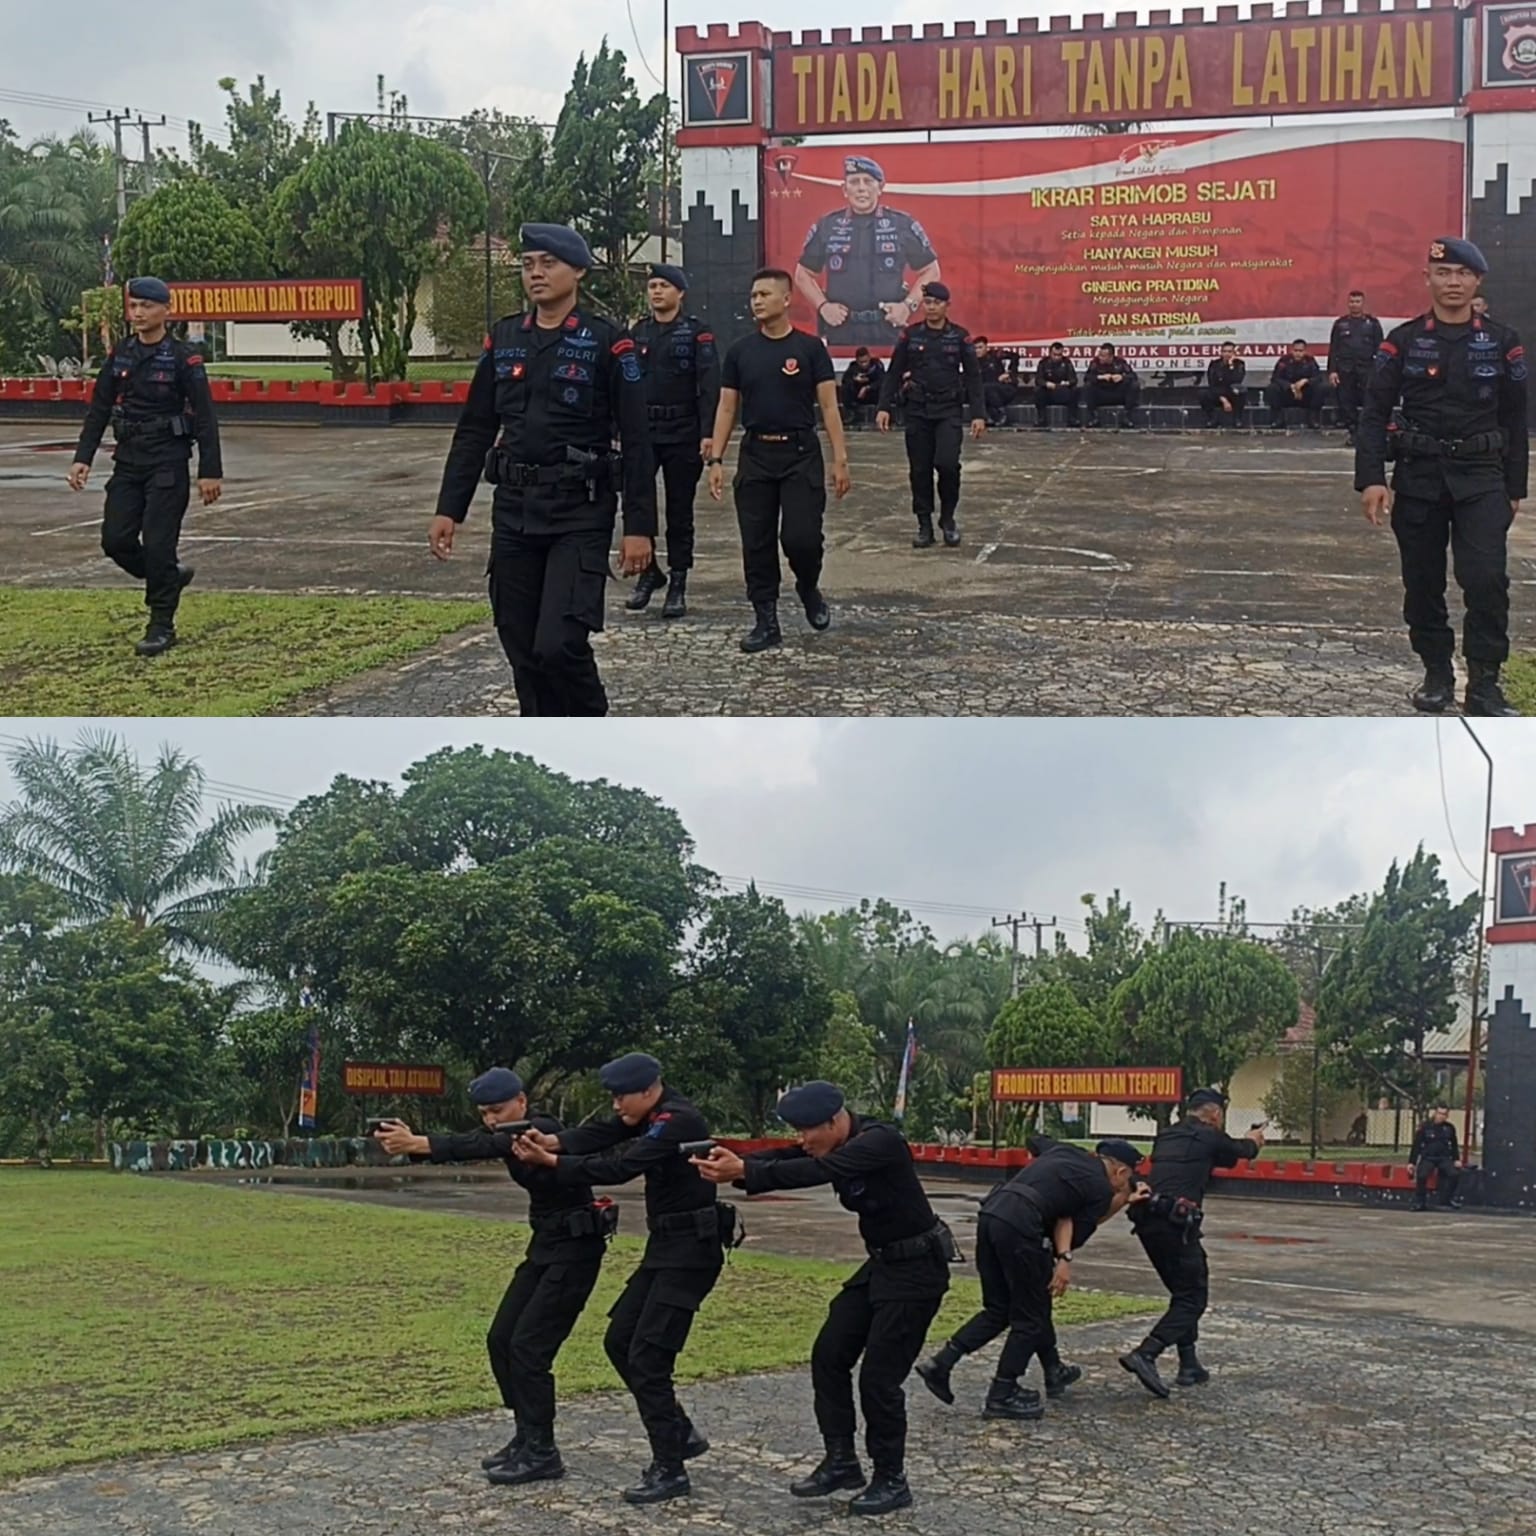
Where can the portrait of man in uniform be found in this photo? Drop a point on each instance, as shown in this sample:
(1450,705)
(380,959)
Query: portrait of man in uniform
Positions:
(853,268)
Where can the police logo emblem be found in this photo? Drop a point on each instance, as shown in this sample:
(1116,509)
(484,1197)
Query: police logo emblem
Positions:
(835,264)
(791,366)
(517,370)
(571,396)
(1437,251)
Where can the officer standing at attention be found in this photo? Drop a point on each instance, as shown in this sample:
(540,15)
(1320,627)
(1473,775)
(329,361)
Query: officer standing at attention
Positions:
(883,1311)
(682,390)
(1055,384)
(154,391)
(1434,1151)
(548,1289)
(559,383)
(1462,457)
(1026,1234)
(649,1323)
(1352,345)
(777,379)
(1168,1227)
(934,368)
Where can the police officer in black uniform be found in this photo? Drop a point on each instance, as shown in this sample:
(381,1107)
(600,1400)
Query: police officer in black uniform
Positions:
(1168,1226)
(154,391)
(1027,1232)
(1462,456)
(882,1313)
(935,371)
(1434,1151)
(1352,345)
(558,383)
(866,249)
(1055,384)
(682,391)
(1297,382)
(1110,380)
(1225,396)
(649,1323)
(551,1285)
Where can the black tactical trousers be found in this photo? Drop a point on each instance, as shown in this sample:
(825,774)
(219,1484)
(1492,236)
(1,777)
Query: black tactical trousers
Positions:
(884,1339)
(1476,527)
(781,498)
(1015,1270)
(647,1328)
(1181,1266)
(933,446)
(534,1319)
(1064,395)
(1351,394)
(1126,395)
(1447,1177)
(681,467)
(1210,404)
(141,526)
(1280,398)
(547,593)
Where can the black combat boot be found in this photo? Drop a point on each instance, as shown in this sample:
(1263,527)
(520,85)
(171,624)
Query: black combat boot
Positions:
(1191,1372)
(650,583)
(839,1468)
(184,575)
(695,1445)
(506,1453)
(1437,692)
(887,1492)
(538,1461)
(1006,1399)
(924,539)
(676,604)
(766,632)
(158,638)
(1142,1364)
(818,615)
(935,1372)
(949,530)
(1059,1377)
(1484,696)
(659,1483)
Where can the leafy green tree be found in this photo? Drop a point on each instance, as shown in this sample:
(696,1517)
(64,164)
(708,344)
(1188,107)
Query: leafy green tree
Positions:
(118,840)
(261,147)
(457,313)
(266,1049)
(1288,1103)
(1115,950)
(188,232)
(846,1055)
(1046,1026)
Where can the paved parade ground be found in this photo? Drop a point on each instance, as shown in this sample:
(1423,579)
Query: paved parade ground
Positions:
(1101,574)
(1371,1373)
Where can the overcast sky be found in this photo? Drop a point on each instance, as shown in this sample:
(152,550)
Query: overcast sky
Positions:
(449,57)
(985,815)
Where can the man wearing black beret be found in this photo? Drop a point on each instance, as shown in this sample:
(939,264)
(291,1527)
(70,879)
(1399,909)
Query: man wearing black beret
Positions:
(684,1253)
(551,1285)
(1463,453)
(1168,1226)
(154,390)
(555,383)
(880,1317)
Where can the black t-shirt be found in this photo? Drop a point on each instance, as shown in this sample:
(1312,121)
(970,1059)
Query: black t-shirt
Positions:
(777,380)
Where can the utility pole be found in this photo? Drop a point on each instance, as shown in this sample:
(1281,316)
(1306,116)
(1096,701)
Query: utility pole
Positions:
(144,125)
(117,119)
(666,127)
(1014,925)
(1039,925)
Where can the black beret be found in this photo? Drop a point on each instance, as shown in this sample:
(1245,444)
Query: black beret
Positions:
(670,274)
(1121,1150)
(936,291)
(558,240)
(633,1073)
(1205,1096)
(1461,253)
(810,1104)
(496,1086)
(150,288)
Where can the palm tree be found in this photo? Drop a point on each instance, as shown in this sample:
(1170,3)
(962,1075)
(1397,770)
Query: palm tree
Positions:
(116,840)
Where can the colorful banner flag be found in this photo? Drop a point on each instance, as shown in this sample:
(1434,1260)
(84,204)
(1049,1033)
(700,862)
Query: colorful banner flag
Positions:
(309,1084)
(908,1056)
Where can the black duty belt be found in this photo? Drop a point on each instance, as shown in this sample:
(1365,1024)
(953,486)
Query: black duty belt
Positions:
(702,1223)
(1420,445)
(866,316)
(777,437)
(908,1247)
(583,1221)
(670,412)
(125,430)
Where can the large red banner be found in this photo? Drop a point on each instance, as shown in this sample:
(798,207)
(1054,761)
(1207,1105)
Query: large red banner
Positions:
(1167,245)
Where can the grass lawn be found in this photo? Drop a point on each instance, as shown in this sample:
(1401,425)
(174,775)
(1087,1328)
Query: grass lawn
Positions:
(66,652)
(1519,678)
(298,372)
(146,1315)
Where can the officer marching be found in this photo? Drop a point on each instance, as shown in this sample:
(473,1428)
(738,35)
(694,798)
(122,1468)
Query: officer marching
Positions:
(154,391)
(555,383)
(1462,456)
(682,387)
(934,368)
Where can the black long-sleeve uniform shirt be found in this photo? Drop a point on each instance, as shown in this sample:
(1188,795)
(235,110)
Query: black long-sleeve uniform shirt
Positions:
(154,382)
(1056,370)
(610,1152)
(681,365)
(875,1178)
(550,1202)
(1186,1154)
(1227,379)
(1062,1181)
(1294,370)
(1352,343)
(937,364)
(578,385)
(1433,1141)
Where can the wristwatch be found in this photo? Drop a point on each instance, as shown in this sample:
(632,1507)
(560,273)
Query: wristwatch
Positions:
(710,463)
(1062,1258)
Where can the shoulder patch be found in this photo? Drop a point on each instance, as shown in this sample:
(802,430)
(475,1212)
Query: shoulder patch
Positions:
(195,360)
(622,345)
(658,1126)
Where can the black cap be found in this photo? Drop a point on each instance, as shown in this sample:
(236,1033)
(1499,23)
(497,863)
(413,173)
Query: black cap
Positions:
(633,1073)
(496,1086)
(810,1104)
(1122,1151)
(1205,1096)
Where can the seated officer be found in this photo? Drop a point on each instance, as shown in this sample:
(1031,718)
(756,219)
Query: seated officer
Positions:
(1296,381)
(1055,384)
(861,381)
(1111,381)
(1434,1151)
(1224,399)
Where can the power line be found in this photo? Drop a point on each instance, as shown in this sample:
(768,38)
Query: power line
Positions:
(629,6)
(1446,806)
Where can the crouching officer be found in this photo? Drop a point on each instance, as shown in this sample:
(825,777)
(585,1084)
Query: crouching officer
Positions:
(1026,1234)
(551,1285)
(1434,1151)
(650,1322)
(934,368)
(1168,1227)
(1462,456)
(154,390)
(881,1315)
(557,383)
(682,390)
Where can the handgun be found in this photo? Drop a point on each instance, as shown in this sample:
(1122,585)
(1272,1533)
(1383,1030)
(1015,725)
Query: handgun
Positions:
(696,1148)
(377,1123)
(514,1127)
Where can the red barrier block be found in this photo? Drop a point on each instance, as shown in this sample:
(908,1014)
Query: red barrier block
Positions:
(460,392)
(430,392)
(73,389)
(251,389)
